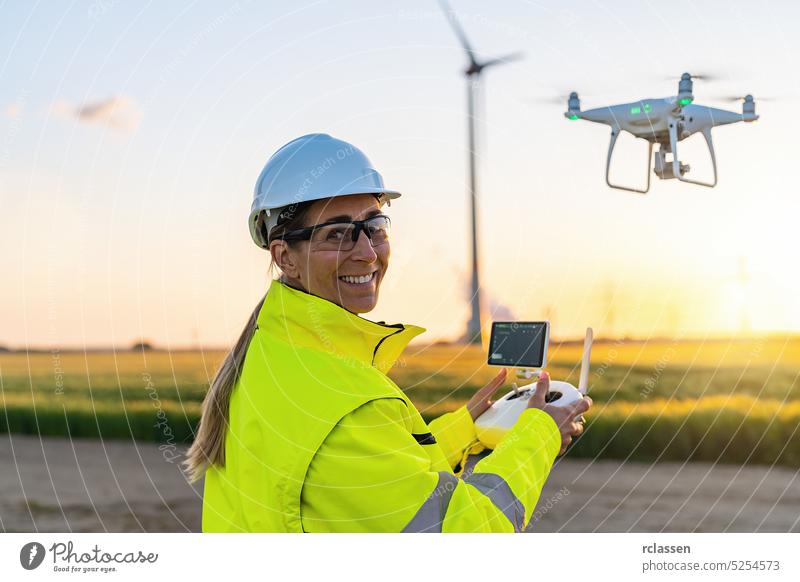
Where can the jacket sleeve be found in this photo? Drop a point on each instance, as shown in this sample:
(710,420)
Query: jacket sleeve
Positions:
(455,433)
(371,475)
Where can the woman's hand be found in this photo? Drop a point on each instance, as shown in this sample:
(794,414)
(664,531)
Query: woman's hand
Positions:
(480,402)
(564,416)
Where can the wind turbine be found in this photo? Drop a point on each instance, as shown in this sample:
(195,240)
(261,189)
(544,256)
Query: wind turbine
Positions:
(473,75)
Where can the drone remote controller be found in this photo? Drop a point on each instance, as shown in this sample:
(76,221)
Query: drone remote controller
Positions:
(492,425)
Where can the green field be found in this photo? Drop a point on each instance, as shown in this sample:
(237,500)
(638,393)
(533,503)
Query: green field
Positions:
(720,400)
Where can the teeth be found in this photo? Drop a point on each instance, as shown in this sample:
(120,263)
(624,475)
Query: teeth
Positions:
(358,280)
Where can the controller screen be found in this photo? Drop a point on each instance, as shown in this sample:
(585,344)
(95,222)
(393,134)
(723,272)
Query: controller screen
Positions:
(518,344)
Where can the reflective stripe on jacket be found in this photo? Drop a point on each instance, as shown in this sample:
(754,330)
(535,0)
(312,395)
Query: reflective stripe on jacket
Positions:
(320,439)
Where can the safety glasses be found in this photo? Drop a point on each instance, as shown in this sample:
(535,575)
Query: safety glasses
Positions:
(342,236)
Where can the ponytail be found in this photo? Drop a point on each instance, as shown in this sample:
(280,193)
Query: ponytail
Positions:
(208,447)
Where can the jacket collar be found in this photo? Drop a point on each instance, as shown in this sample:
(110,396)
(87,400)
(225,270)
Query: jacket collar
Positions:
(303,319)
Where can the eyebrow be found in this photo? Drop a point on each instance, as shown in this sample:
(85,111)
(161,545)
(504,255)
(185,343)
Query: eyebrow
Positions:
(347,217)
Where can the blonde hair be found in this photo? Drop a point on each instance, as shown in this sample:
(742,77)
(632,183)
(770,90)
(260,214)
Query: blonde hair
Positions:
(208,447)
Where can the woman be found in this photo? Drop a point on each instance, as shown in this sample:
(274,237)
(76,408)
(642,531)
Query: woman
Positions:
(302,431)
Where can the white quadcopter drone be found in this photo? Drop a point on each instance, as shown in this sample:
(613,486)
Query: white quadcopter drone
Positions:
(523,345)
(663,121)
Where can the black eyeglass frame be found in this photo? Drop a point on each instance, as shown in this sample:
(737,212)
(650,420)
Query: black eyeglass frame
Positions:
(307,232)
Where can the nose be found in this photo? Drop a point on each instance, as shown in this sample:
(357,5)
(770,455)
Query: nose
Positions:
(363,251)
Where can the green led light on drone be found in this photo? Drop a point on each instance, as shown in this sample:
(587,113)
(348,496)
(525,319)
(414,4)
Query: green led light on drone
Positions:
(685,101)
(647,108)
(573,116)
(636,110)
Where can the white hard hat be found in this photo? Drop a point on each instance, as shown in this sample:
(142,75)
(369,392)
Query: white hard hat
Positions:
(311,167)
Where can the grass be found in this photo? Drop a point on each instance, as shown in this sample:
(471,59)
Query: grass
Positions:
(732,401)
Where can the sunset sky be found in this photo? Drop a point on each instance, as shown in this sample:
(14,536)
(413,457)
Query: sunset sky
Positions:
(131,136)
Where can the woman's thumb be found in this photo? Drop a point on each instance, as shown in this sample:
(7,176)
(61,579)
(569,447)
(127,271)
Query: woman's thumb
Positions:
(542,388)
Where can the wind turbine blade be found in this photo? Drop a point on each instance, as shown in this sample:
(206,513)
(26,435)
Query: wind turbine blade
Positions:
(462,37)
(502,60)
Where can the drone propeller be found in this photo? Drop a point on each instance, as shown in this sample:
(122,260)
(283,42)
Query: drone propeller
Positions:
(735,98)
(559,96)
(558,99)
(548,100)
(705,77)
(701,77)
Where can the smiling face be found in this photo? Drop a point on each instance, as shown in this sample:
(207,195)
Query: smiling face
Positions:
(330,274)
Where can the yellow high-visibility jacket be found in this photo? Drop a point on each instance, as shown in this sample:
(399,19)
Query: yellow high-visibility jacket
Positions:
(321,440)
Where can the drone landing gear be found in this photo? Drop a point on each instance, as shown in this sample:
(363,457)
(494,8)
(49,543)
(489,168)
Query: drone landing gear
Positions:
(614,135)
(676,169)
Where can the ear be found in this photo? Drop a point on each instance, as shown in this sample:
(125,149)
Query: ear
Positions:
(284,258)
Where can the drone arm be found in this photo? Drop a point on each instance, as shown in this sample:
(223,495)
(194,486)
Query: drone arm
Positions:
(604,115)
(614,135)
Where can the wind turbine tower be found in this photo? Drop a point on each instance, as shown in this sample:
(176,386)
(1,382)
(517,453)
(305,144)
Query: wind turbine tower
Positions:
(473,76)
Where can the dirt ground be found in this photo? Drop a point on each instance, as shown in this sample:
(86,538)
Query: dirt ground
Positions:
(57,485)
